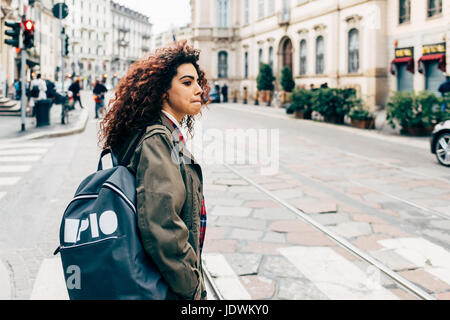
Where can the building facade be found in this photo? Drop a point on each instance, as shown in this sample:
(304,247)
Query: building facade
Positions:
(418,41)
(165,38)
(88,26)
(131,39)
(344,43)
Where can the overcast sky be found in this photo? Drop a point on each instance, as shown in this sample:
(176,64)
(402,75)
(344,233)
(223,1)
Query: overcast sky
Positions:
(162,13)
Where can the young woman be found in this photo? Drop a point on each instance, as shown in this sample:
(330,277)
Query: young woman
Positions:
(164,91)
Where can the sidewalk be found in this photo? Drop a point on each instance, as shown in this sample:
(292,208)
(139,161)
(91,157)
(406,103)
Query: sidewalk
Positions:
(10,126)
(382,129)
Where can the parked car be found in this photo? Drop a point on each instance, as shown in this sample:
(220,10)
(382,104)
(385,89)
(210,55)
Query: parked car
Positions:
(214,96)
(440,142)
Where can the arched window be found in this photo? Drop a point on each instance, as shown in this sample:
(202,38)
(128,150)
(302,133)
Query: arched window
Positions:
(353,51)
(260,56)
(223,64)
(271,57)
(320,55)
(303,54)
(222,11)
(246,65)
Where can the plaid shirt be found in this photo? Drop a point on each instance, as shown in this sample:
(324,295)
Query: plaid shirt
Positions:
(203,211)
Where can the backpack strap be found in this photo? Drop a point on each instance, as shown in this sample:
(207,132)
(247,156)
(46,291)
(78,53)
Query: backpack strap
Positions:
(139,139)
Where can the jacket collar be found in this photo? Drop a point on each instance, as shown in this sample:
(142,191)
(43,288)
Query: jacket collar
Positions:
(188,158)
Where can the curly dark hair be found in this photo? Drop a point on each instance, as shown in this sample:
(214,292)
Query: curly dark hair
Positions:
(139,96)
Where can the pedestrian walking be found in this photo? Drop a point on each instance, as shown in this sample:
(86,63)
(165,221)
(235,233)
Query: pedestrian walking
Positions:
(444,88)
(99,96)
(225,92)
(75,89)
(38,91)
(158,96)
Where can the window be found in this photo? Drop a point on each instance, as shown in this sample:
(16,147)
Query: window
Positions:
(246,13)
(434,7)
(223,64)
(271,6)
(260,9)
(353,51)
(260,56)
(223,13)
(303,54)
(246,65)
(320,60)
(271,57)
(404,11)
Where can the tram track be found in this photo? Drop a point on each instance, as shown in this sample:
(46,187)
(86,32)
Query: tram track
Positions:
(343,243)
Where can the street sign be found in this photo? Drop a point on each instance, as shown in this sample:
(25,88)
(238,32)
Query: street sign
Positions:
(60,10)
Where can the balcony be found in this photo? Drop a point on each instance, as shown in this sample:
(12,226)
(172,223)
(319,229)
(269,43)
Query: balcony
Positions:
(223,33)
(123,43)
(284,17)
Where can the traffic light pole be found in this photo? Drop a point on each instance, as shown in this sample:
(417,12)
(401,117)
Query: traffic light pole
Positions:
(23,53)
(62,48)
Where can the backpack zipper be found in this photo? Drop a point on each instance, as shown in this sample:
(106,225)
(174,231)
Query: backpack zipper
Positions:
(121,194)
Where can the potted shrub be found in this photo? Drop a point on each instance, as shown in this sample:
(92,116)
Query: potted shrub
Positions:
(360,116)
(287,83)
(416,114)
(332,104)
(302,103)
(265,82)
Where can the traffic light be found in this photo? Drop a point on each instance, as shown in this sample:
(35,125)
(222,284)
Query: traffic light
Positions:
(66,46)
(14,33)
(28,34)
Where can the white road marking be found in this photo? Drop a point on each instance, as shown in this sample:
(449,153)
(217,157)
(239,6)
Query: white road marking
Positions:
(423,253)
(20,158)
(9,181)
(2,194)
(25,145)
(5,285)
(335,276)
(50,283)
(11,152)
(224,277)
(14,169)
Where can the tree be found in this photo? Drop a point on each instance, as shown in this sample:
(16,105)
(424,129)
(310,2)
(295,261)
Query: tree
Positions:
(265,81)
(265,78)
(287,82)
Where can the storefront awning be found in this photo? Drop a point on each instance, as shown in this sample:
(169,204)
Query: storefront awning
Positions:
(409,60)
(435,56)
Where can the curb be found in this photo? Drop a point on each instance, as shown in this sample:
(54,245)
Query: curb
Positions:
(79,127)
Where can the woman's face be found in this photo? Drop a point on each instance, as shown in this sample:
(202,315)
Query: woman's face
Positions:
(184,95)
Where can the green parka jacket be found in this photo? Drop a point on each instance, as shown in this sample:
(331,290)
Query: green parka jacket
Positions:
(169,200)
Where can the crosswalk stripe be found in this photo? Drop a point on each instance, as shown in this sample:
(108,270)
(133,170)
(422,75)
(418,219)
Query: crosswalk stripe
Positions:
(14,169)
(224,277)
(50,283)
(2,194)
(9,181)
(25,145)
(423,253)
(9,152)
(335,276)
(20,158)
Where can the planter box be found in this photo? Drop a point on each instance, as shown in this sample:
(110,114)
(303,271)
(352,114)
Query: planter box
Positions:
(334,119)
(364,123)
(299,114)
(417,131)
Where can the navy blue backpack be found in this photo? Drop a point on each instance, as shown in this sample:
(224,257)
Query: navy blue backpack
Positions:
(101,251)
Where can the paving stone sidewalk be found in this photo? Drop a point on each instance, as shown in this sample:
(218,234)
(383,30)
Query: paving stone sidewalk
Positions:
(251,236)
